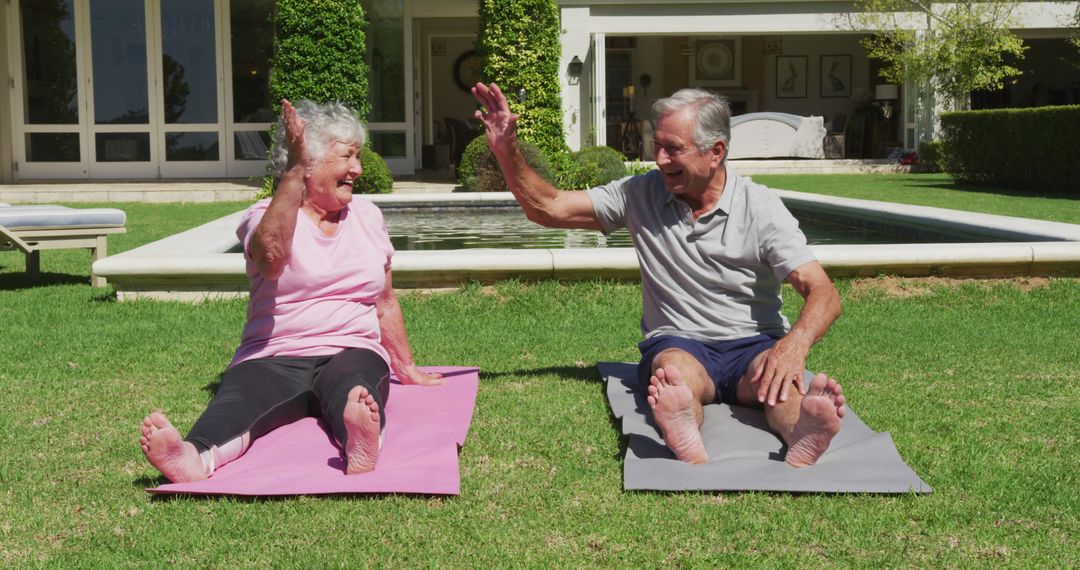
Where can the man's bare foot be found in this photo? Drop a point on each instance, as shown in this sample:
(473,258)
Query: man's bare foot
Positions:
(819,420)
(362,422)
(672,404)
(177,459)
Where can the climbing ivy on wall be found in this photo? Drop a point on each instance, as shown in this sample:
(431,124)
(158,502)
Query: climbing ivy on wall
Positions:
(519,44)
(319,53)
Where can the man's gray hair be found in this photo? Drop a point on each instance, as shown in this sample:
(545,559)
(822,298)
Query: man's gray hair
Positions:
(712,116)
(325,124)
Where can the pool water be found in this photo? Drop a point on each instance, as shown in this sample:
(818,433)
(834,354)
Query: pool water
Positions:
(502,228)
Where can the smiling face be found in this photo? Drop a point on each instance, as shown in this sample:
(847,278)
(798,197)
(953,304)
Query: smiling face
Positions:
(330,185)
(687,171)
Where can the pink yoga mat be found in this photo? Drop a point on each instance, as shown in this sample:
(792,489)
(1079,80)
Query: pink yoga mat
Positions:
(425,427)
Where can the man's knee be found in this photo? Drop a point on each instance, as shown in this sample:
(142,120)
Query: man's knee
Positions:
(691,371)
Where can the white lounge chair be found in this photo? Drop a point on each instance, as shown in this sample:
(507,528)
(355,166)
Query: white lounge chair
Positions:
(30,229)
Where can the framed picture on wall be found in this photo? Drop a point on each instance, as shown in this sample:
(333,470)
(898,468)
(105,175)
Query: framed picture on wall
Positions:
(790,76)
(836,76)
(716,62)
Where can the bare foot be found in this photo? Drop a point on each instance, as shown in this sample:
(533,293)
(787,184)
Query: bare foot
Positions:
(177,459)
(362,422)
(819,420)
(672,405)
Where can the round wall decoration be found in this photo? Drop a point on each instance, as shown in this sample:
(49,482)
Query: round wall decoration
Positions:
(467,70)
(714,60)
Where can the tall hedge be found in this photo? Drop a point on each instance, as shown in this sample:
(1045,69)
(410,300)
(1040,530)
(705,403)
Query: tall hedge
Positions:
(1031,149)
(319,53)
(519,45)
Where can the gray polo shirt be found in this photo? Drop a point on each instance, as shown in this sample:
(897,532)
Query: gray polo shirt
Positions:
(716,278)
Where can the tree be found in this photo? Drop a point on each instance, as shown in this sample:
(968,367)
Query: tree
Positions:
(962,46)
(519,45)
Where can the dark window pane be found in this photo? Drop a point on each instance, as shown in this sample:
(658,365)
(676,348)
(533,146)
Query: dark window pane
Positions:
(191,146)
(118,34)
(252,45)
(386,59)
(52,147)
(189,61)
(123,147)
(48,33)
(388,144)
(251,145)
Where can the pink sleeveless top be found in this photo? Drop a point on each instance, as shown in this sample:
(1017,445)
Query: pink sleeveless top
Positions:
(324,301)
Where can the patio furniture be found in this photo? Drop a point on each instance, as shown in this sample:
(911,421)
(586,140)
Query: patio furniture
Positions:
(836,139)
(461,134)
(30,229)
(776,135)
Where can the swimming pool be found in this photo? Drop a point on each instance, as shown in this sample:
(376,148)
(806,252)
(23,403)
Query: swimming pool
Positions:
(417,229)
(204,262)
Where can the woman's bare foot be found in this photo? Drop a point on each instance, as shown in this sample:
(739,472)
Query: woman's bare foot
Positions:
(672,404)
(362,422)
(819,420)
(177,459)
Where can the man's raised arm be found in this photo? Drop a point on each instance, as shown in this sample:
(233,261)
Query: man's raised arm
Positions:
(543,203)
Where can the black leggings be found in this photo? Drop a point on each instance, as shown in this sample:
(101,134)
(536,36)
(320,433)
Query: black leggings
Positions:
(262,394)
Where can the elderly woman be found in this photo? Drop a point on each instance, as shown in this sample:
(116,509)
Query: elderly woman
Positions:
(324,328)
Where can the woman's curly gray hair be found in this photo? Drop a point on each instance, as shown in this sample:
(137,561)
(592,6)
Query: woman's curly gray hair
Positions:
(712,117)
(325,124)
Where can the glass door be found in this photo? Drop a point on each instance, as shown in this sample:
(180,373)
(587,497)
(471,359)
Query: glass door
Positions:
(190,98)
(121,89)
(119,96)
(47,105)
(156,94)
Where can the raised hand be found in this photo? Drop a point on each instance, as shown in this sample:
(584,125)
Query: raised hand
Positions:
(294,135)
(500,124)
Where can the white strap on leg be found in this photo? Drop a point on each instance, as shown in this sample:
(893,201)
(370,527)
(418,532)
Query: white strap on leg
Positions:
(218,456)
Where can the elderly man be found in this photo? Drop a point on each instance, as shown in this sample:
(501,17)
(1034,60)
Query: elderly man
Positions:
(714,248)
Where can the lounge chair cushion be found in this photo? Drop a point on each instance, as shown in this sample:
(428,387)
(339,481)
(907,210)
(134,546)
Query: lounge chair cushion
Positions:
(49,217)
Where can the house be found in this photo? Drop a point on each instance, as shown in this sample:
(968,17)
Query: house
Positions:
(178,89)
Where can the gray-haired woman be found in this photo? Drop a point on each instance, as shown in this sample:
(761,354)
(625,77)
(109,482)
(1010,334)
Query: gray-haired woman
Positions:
(324,328)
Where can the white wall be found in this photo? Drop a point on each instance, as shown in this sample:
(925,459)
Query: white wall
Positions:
(813,47)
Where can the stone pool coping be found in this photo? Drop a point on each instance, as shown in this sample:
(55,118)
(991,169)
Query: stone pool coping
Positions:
(193,265)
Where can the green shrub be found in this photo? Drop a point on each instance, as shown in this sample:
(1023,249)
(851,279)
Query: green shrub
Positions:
(376,177)
(531,65)
(610,162)
(480,172)
(930,156)
(319,51)
(638,167)
(589,167)
(1014,148)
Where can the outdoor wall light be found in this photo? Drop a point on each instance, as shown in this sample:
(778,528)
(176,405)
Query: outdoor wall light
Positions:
(574,69)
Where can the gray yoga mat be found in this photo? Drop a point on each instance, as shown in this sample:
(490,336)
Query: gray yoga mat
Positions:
(745,456)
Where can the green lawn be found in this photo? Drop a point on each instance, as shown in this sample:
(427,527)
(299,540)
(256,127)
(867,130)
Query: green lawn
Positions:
(976,381)
(936,190)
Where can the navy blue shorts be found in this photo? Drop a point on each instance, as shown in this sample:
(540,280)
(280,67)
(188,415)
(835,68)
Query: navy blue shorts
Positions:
(725,361)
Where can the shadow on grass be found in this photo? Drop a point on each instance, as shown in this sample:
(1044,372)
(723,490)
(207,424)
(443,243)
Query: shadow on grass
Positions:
(19,281)
(580,373)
